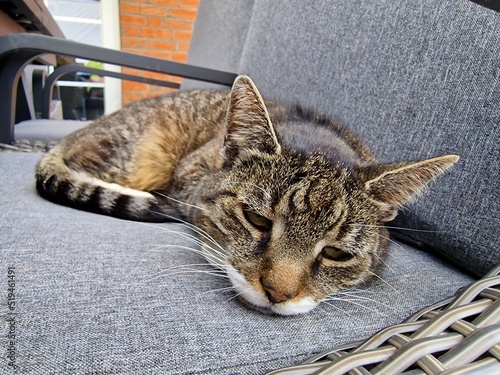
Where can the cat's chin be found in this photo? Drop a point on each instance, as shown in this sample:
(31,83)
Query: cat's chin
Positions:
(287,309)
(254,300)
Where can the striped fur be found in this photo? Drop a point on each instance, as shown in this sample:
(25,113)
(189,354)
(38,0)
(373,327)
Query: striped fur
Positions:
(290,204)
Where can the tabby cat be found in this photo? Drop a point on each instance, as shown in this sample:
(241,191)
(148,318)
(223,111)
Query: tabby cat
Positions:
(287,202)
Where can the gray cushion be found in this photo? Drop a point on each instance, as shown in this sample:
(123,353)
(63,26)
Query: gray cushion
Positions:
(414,79)
(46,130)
(97,294)
(219,36)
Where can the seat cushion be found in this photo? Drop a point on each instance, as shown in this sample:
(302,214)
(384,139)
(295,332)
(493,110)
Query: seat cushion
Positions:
(98,294)
(45,130)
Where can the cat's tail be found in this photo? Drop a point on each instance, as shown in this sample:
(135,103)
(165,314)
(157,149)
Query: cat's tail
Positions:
(58,183)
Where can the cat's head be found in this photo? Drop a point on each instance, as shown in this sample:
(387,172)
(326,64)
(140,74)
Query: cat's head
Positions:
(289,227)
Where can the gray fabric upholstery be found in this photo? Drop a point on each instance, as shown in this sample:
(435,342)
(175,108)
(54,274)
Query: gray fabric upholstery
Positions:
(219,36)
(414,79)
(46,130)
(101,295)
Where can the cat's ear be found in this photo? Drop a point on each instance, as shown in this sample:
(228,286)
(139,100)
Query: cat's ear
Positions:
(248,123)
(393,185)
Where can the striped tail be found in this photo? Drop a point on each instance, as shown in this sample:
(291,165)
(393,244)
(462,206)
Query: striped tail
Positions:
(56,182)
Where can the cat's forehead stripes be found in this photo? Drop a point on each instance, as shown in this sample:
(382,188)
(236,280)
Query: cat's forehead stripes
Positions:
(298,200)
(319,198)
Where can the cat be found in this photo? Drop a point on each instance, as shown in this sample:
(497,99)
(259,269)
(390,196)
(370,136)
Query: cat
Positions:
(288,203)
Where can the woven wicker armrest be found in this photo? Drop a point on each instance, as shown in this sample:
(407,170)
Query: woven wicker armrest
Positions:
(459,335)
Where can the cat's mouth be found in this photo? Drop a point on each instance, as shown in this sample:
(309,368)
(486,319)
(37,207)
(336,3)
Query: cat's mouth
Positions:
(256,300)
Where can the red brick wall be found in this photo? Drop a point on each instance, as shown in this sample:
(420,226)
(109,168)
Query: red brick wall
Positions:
(158,28)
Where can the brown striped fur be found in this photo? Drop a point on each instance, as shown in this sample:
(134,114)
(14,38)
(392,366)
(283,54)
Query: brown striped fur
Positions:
(290,204)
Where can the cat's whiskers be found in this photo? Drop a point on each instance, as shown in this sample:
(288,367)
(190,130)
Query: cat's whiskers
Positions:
(334,299)
(188,236)
(218,290)
(351,316)
(234,296)
(182,266)
(380,257)
(213,259)
(155,276)
(216,256)
(358,297)
(192,267)
(385,282)
(398,245)
(355,296)
(378,234)
(213,253)
(215,262)
(219,274)
(179,201)
(354,291)
(190,270)
(199,231)
(398,228)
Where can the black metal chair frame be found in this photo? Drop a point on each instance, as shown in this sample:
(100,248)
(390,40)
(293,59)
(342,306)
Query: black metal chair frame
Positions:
(18,50)
(51,80)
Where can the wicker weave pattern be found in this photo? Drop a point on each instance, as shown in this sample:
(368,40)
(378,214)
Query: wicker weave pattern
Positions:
(460,335)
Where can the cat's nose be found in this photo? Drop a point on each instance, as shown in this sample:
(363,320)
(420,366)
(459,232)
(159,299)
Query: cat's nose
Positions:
(276,296)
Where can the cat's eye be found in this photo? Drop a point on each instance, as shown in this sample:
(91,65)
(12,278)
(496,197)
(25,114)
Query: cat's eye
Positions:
(332,253)
(258,221)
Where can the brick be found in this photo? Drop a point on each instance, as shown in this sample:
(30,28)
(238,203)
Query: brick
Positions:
(131,93)
(186,14)
(134,42)
(155,75)
(151,94)
(162,45)
(137,86)
(190,4)
(155,28)
(148,32)
(130,96)
(165,2)
(155,21)
(183,46)
(137,51)
(127,19)
(159,54)
(130,31)
(179,57)
(178,25)
(176,79)
(132,71)
(182,35)
(129,8)
(153,10)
